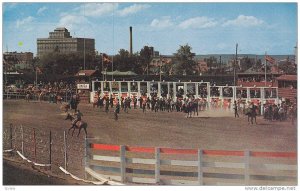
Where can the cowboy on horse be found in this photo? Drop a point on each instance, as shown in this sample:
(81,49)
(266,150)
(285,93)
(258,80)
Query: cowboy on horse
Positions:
(77,123)
(77,118)
(74,102)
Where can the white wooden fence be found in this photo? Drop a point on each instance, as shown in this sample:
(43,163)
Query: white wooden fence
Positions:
(146,165)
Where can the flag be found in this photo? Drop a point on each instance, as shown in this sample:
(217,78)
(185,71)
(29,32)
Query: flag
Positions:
(38,70)
(270,59)
(106,58)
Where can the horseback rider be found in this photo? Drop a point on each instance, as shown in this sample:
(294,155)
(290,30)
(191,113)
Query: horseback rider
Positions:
(253,109)
(117,110)
(134,102)
(141,102)
(111,101)
(235,107)
(144,105)
(77,118)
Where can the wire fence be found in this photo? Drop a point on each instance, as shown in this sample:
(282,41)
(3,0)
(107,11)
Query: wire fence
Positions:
(51,148)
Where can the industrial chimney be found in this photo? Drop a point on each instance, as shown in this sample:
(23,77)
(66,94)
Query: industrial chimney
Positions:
(130,29)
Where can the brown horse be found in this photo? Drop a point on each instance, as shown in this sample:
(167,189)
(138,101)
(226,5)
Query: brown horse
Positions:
(79,125)
(59,99)
(65,107)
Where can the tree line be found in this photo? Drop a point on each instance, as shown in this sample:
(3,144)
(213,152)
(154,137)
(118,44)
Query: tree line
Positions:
(139,62)
(181,63)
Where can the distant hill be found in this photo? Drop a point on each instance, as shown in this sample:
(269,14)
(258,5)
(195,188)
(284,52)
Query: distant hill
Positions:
(226,57)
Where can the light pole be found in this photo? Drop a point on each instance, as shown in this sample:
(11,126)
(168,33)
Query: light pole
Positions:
(265,70)
(102,68)
(160,68)
(35,76)
(296,55)
(234,67)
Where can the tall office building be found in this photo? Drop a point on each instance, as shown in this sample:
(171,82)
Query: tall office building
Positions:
(61,41)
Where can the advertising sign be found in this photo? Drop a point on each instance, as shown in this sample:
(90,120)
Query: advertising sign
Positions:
(83,86)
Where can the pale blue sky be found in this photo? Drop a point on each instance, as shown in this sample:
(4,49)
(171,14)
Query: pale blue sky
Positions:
(209,28)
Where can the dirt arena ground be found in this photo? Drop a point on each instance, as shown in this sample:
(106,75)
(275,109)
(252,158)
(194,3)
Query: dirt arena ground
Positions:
(17,172)
(210,130)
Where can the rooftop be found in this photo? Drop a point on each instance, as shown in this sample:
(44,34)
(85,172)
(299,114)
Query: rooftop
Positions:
(287,78)
(86,72)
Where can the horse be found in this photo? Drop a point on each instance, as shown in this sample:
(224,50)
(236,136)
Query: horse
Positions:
(96,102)
(65,107)
(74,104)
(251,113)
(79,125)
(190,108)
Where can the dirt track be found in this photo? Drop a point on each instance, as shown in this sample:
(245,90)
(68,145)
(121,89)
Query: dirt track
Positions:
(210,130)
(19,173)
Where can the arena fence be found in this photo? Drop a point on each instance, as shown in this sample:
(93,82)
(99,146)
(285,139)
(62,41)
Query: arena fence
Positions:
(50,148)
(167,166)
(34,97)
(89,159)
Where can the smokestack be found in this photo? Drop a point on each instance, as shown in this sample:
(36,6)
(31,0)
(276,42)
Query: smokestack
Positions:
(130,29)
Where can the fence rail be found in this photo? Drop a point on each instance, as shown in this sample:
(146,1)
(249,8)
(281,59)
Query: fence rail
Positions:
(34,97)
(190,166)
(149,165)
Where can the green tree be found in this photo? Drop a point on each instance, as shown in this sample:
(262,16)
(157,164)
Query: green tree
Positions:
(123,61)
(146,54)
(71,63)
(185,60)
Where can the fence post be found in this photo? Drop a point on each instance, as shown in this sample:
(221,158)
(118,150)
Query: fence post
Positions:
(86,155)
(22,136)
(34,144)
(200,170)
(65,149)
(122,163)
(157,165)
(11,135)
(50,149)
(247,166)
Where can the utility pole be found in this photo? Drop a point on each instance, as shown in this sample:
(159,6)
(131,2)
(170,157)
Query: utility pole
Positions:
(160,69)
(102,73)
(112,59)
(296,55)
(234,67)
(265,70)
(6,65)
(220,63)
(84,40)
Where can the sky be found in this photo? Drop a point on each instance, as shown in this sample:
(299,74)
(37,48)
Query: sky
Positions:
(209,28)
